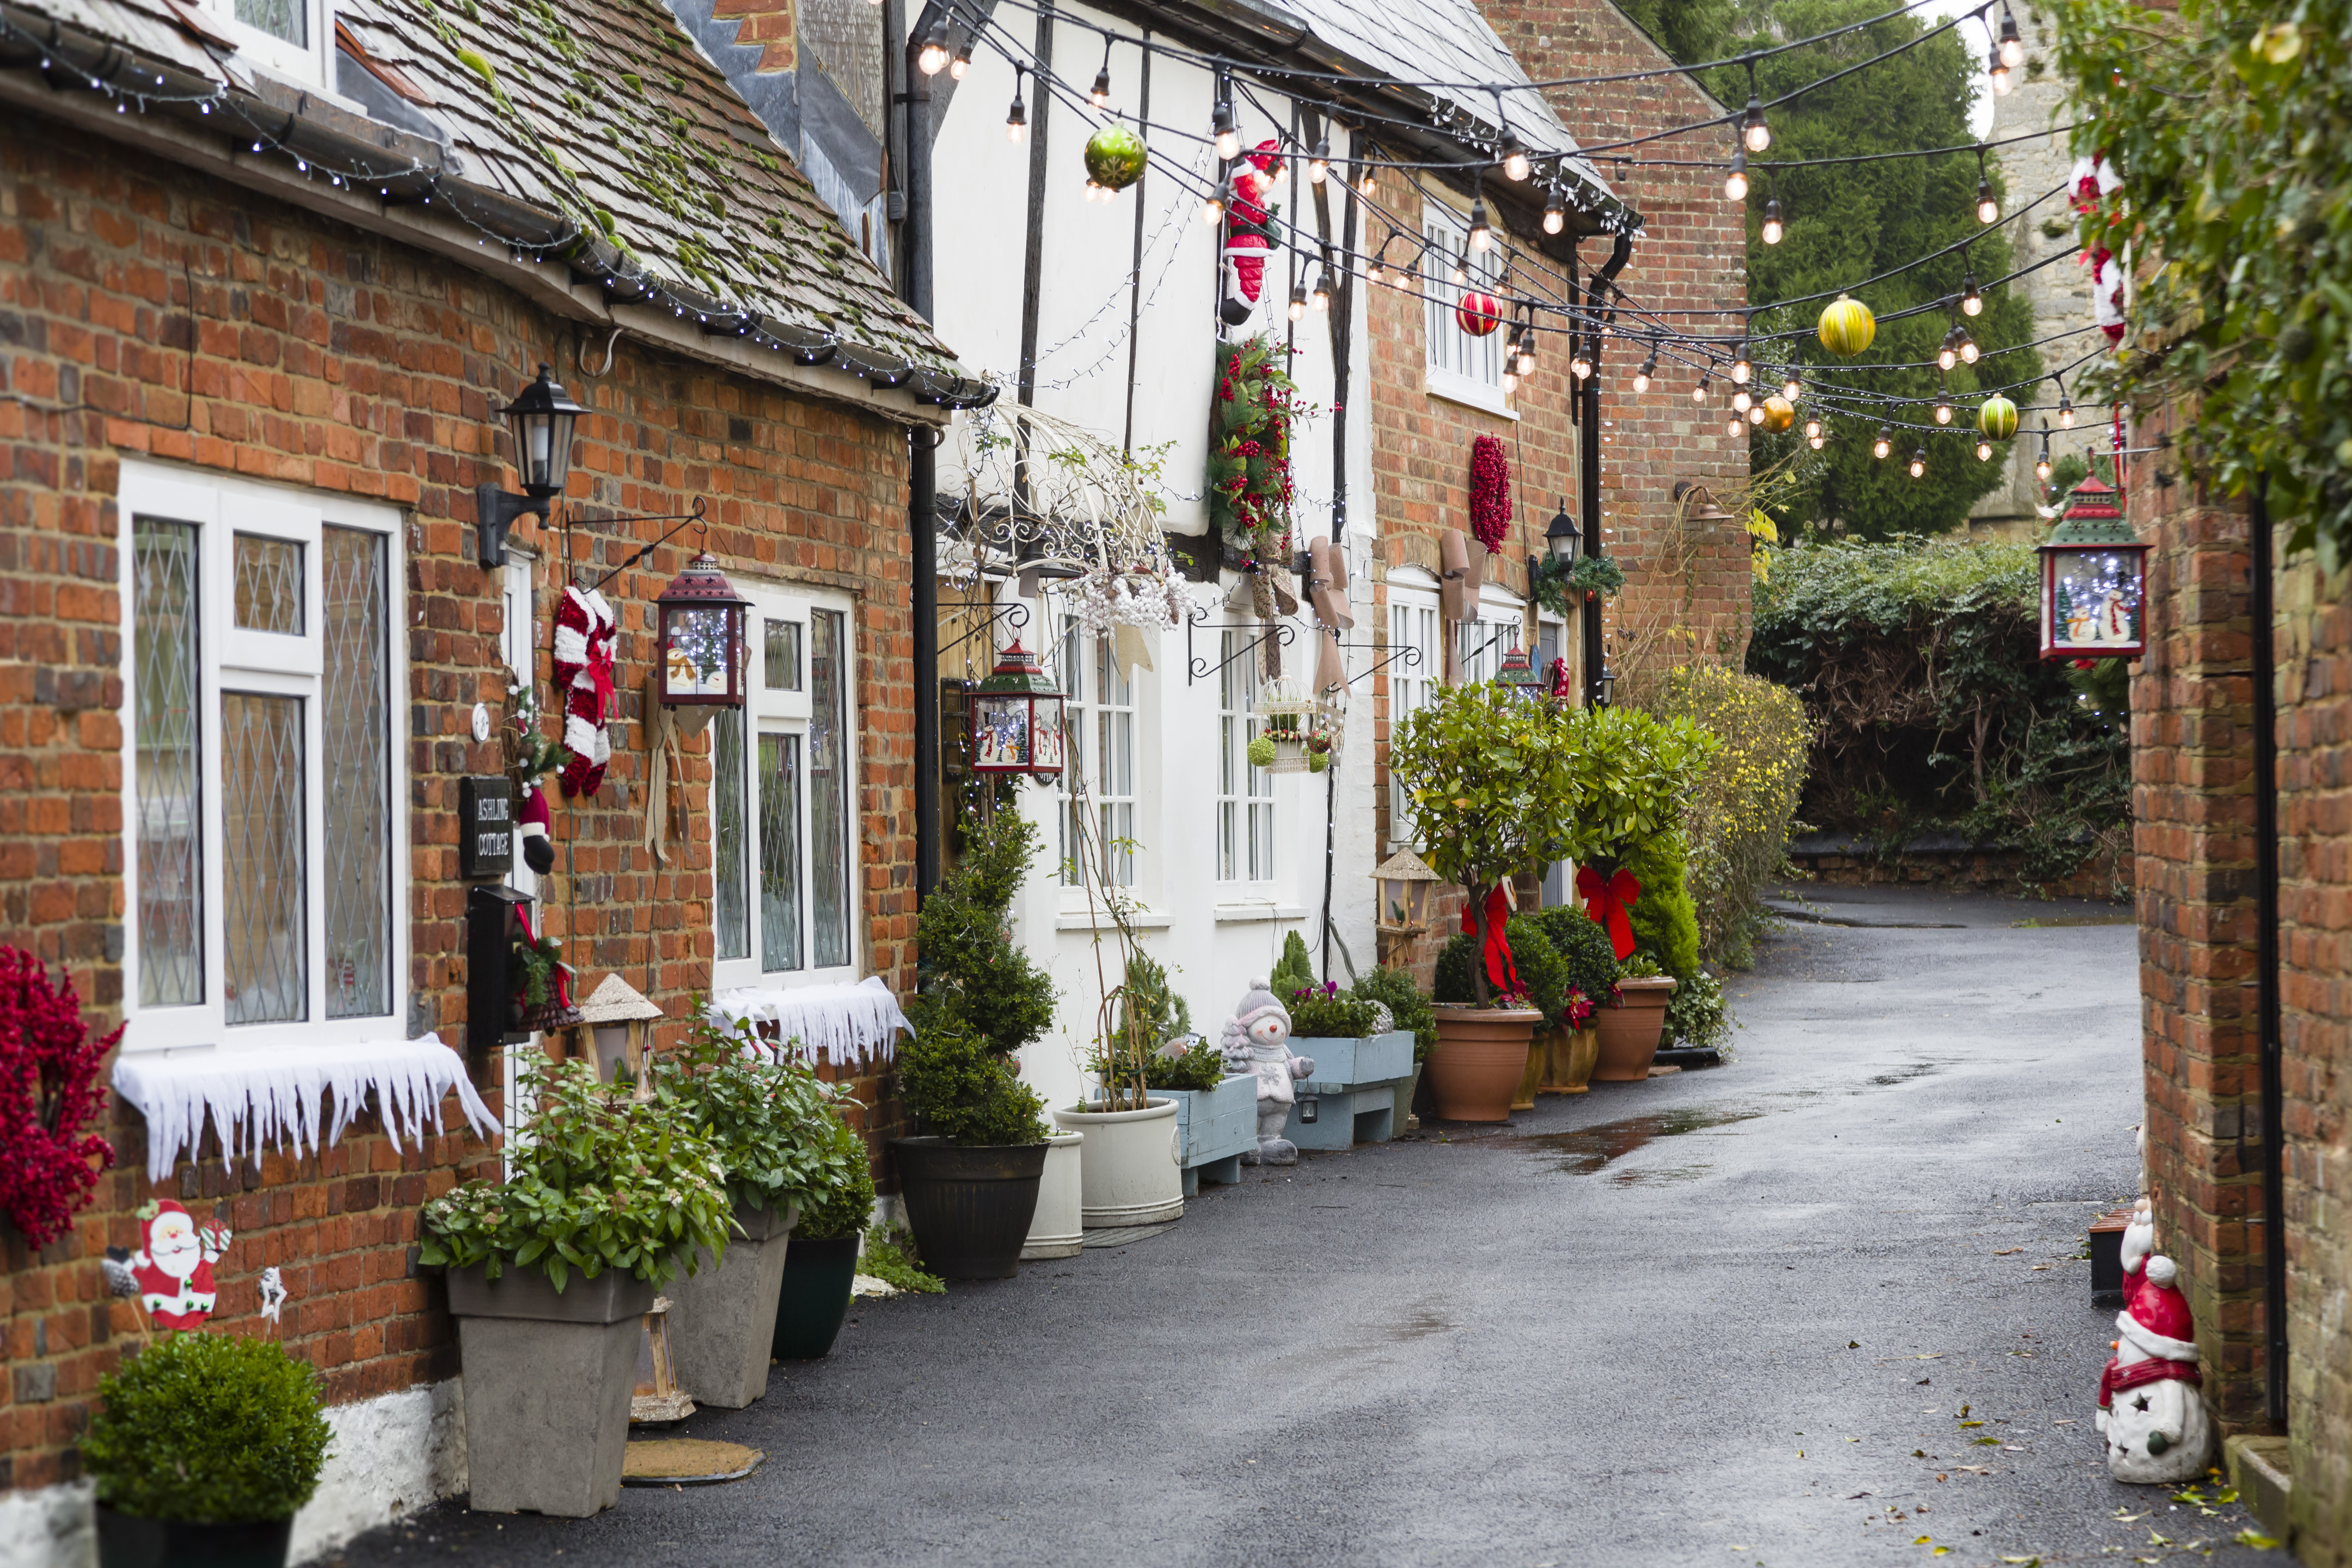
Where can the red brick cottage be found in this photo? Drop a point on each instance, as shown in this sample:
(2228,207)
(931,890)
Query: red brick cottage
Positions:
(264,292)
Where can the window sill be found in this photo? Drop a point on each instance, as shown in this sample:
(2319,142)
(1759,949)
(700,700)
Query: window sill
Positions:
(1250,910)
(1454,387)
(1080,918)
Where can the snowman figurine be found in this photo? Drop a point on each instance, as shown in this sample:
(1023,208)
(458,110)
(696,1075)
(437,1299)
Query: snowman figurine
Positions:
(2153,1416)
(1257,1040)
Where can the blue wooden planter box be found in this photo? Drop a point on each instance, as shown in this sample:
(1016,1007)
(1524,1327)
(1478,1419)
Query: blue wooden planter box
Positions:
(1353,1089)
(1215,1127)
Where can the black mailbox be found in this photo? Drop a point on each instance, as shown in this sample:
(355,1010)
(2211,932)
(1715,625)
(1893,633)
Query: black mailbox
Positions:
(493,926)
(486,826)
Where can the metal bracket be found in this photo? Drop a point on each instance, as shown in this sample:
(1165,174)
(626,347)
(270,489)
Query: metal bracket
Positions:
(1197,668)
(1513,633)
(1015,614)
(1409,654)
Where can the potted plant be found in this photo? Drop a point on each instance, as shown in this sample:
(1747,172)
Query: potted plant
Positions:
(1542,982)
(821,1268)
(1491,790)
(1408,1009)
(1217,1109)
(1630,1028)
(1361,1060)
(550,1272)
(773,1124)
(1590,962)
(206,1446)
(970,1176)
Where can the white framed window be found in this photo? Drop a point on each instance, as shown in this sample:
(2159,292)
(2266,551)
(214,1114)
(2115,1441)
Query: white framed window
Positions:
(1412,625)
(1480,645)
(785,841)
(1244,792)
(267,831)
(1551,646)
(1461,368)
(1098,712)
(293,39)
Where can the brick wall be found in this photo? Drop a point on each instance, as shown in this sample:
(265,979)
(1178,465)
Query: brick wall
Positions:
(329,358)
(1686,595)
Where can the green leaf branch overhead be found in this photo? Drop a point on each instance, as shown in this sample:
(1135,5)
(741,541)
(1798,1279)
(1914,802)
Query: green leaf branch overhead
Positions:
(2227,122)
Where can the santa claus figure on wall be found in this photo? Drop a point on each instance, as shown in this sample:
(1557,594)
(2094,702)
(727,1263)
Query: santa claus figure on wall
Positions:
(2151,1410)
(1249,233)
(173,1264)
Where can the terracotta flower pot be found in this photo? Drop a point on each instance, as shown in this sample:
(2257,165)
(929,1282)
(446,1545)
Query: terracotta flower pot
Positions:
(1539,1053)
(1481,1055)
(1568,1068)
(1629,1034)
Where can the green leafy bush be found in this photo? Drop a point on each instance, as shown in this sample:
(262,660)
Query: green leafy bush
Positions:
(1740,816)
(1698,1014)
(888,1256)
(844,1206)
(1665,921)
(772,1122)
(1543,977)
(1408,1008)
(1920,665)
(207,1428)
(601,1181)
(1293,970)
(970,974)
(1328,1012)
(1586,953)
(960,1091)
(1640,966)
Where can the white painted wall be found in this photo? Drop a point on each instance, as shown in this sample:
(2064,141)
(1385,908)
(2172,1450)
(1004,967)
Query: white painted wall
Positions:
(1214,937)
(389,1457)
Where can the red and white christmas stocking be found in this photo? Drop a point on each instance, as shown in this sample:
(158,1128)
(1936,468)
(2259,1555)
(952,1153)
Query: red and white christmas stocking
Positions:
(585,628)
(538,849)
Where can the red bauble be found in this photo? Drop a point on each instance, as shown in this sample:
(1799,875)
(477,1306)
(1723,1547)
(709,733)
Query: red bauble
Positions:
(1478,314)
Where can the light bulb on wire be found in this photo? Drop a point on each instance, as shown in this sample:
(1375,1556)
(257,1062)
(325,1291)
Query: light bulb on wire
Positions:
(1773,228)
(1794,387)
(1515,159)
(1510,383)
(1998,70)
(1016,119)
(1321,296)
(1555,216)
(1481,237)
(1732,428)
(2065,408)
(1740,402)
(1813,430)
(1735,184)
(1971,301)
(1756,415)
(1984,451)
(1947,354)
(1460,273)
(1100,96)
(1642,377)
(1527,356)
(1368,176)
(1969,352)
(1297,301)
(933,58)
(1943,408)
(1755,136)
(1213,210)
(958,67)
(1814,439)
(1698,393)
(1740,369)
(2011,47)
(1581,365)
(1988,205)
(1319,165)
(1918,462)
(1884,445)
(1220,126)
(2041,463)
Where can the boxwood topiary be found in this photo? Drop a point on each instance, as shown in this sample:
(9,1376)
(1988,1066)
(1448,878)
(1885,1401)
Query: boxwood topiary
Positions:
(1583,945)
(965,1093)
(209,1429)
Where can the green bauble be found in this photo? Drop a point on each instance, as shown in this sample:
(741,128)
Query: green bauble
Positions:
(1115,157)
(1997,418)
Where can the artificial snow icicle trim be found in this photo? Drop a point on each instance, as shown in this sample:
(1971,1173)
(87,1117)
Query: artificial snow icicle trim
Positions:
(821,1023)
(275,1092)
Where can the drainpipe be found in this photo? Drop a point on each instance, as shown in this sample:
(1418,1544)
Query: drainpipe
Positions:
(1588,455)
(2266,963)
(922,469)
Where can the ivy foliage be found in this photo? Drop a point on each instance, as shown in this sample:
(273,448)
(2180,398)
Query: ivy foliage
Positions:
(2230,124)
(1919,662)
(601,1181)
(207,1428)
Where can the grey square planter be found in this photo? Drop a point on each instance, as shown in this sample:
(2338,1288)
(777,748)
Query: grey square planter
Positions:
(722,1317)
(1354,1086)
(1215,1127)
(548,1378)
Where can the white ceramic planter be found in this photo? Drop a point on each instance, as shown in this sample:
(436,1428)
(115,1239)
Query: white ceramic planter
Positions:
(1130,1166)
(1059,1228)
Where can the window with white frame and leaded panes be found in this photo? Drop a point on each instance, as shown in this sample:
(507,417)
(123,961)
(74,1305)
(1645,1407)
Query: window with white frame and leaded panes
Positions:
(783,797)
(1096,790)
(1245,791)
(267,824)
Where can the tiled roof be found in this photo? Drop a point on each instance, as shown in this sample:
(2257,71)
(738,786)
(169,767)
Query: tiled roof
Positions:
(606,114)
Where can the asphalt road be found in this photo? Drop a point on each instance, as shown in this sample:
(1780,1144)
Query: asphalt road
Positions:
(1729,1317)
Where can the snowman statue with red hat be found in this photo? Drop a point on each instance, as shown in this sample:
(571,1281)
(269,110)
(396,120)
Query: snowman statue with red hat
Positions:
(2150,1411)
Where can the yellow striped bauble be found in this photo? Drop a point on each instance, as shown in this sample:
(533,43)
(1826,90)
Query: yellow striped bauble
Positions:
(1847,327)
(1997,418)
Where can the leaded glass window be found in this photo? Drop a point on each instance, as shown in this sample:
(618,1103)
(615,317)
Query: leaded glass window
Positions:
(167,784)
(779,857)
(828,744)
(287,19)
(262,858)
(356,795)
(733,914)
(268,584)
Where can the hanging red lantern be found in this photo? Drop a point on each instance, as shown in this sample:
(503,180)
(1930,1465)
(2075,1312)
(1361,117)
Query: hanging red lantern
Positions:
(1478,314)
(1016,719)
(701,637)
(2094,579)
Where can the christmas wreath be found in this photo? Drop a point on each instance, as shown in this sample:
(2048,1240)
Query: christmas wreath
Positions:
(1249,451)
(1558,586)
(49,1091)
(1490,492)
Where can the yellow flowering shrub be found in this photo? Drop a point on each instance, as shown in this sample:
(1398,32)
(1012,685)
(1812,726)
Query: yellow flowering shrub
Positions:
(1739,817)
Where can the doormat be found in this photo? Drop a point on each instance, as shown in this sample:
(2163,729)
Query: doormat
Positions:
(1121,1235)
(686,1462)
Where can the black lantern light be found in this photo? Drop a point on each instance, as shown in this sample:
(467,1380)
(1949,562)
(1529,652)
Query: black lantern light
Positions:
(2094,573)
(701,638)
(541,418)
(1016,718)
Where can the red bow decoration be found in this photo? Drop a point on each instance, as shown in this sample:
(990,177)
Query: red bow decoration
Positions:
(1606,899)
(1501,972)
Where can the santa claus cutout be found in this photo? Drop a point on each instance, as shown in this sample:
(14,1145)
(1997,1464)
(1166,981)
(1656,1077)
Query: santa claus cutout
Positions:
(173,1264)
(2149,1407)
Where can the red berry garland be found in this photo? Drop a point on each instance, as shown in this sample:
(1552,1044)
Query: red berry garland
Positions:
(1490,492)
(49,1091)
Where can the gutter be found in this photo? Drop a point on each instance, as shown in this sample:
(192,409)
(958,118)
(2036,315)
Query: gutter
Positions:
(423,201)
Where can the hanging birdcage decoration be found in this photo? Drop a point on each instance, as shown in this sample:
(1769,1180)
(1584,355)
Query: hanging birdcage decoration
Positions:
(1286,713)
(2094,579)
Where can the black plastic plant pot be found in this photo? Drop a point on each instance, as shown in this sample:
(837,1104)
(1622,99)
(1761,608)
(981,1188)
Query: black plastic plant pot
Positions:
(815,1298)
(127,1541)
(970,1208)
